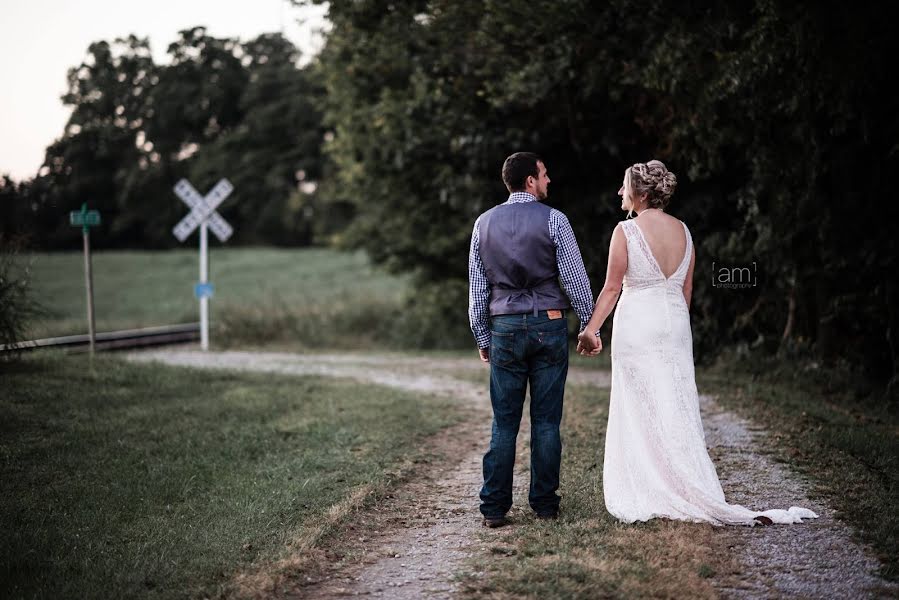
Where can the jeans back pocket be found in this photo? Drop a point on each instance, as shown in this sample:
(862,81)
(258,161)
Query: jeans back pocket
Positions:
(553,346)
(502,348)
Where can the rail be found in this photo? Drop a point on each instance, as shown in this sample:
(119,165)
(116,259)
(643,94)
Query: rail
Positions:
(116,340)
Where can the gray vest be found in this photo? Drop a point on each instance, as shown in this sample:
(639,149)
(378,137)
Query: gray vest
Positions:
(520,259)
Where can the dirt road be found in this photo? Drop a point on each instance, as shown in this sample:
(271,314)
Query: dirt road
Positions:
(413,545)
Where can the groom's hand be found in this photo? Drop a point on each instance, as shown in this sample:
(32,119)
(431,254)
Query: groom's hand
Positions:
(485,354)
(588,344)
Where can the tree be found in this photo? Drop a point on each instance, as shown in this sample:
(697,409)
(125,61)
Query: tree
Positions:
(220,108)
(16,212)
(273,155)
(98,146)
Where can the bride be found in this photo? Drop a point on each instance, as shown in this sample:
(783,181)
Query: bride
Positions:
(656,462)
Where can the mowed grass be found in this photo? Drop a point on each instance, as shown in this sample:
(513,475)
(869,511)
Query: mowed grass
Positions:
(123,480)
(260,293)
(586,553)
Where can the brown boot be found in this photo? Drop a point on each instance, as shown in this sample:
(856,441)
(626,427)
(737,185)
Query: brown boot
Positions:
(494,522)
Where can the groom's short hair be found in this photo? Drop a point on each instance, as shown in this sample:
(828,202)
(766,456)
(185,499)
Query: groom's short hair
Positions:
(518,168)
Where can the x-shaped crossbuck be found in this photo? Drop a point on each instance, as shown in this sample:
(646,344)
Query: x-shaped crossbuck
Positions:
(203,209)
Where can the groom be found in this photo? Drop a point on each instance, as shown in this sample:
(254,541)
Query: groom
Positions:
(525,271)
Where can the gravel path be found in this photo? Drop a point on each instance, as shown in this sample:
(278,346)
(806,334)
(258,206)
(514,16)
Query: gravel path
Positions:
(420,543)
(815,559)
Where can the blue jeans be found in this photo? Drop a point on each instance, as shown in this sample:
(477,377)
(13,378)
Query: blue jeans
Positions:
(525,349)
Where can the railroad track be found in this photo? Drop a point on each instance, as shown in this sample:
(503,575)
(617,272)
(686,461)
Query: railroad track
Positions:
(115,340)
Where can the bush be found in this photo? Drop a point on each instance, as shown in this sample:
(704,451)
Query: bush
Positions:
(16,307)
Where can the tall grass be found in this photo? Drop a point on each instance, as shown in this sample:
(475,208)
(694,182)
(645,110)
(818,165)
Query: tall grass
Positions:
(261,294)
(17,308)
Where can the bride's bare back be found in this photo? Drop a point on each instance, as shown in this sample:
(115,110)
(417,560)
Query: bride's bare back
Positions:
(666,238)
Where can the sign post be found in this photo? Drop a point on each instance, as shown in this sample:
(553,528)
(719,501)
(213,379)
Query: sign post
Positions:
(203,216)
(86,219)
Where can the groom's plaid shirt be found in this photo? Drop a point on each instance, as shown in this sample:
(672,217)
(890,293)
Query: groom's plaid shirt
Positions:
(572,274)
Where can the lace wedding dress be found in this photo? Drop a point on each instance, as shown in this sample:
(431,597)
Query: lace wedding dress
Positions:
(656,461)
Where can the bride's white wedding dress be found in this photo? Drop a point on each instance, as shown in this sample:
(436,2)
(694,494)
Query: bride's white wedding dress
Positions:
(656,461)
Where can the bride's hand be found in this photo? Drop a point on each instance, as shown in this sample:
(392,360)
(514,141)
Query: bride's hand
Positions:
(585,342)
(588,344)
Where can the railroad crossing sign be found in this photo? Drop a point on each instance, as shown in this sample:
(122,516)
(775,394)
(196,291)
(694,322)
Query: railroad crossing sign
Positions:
(203,215)
(203,209)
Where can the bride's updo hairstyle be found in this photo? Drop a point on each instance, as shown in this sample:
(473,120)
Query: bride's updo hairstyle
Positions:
(653,179)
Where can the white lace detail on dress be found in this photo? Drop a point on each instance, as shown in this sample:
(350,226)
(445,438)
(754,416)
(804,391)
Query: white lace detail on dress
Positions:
(656,461)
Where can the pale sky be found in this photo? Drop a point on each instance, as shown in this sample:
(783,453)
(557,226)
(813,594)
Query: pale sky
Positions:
(41,39)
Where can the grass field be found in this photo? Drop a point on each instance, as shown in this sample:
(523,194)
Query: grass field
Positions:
(114,476)
(129,480)
(260,293)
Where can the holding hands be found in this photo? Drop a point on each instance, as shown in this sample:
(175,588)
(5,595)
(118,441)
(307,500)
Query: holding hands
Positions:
(588,343)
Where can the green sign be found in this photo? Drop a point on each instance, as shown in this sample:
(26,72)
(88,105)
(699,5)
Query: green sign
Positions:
(84,218)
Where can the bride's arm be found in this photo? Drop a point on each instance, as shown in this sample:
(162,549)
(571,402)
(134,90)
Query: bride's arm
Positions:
(688,281)
(607,298)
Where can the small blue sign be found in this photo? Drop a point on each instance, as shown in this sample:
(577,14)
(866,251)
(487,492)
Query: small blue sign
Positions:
(204,290)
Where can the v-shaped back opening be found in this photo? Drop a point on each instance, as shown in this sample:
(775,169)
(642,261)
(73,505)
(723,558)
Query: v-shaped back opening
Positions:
(652,254)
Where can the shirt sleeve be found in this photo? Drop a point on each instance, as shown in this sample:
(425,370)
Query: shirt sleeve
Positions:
(478,291)
(572,273)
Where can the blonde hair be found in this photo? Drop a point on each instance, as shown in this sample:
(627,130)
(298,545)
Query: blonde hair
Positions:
(653,179)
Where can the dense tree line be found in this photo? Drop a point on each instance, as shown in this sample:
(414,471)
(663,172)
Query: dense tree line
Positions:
(775,115)
(219,108)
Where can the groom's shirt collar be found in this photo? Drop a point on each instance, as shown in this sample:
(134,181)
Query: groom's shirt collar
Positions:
(516,197)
